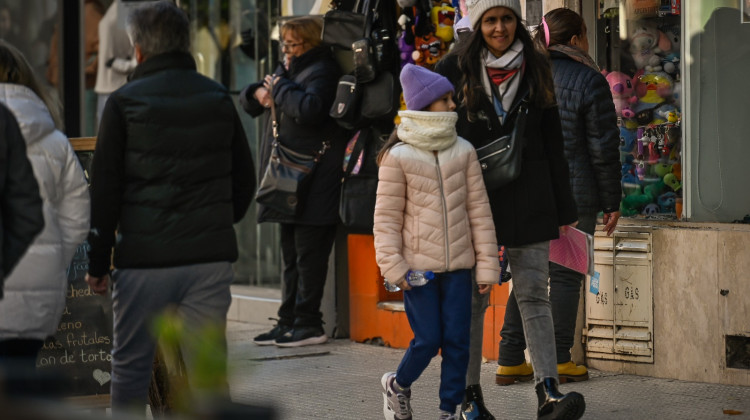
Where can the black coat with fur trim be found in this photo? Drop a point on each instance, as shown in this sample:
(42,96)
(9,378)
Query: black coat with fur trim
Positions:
(303,96)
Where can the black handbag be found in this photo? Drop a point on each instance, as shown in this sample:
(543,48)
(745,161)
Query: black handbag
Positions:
(341,28)
(358,190)
(345,108)
(378,97)
(500,159)
(285,181)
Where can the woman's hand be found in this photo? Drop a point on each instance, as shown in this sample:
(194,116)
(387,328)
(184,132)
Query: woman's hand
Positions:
(269,81)
(610,222)
(263,96)
(484,288)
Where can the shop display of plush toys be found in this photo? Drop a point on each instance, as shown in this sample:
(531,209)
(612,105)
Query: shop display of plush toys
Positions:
(647,104)
(427,30)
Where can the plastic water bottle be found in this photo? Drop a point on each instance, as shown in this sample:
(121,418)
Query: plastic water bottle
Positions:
(414,278)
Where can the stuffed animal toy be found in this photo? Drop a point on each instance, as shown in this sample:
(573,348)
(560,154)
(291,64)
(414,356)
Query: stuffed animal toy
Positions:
(677,90)
(677,170)
(635,202)
(671,181)
(406,39)
(665,112)
(427,50)
(627,140)
(653,87)
(443,17)
(623,93)
(661,169)
(670,62)
(651,209)
(655,189)
(646,43)
(666,202)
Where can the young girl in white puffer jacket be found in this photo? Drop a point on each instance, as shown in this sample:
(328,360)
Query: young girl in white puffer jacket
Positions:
(432,213)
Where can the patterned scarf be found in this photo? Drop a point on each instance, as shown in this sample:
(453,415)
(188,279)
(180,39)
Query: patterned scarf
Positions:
(576,54)
(506,73)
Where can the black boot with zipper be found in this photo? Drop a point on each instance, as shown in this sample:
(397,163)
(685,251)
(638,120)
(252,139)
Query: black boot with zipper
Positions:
(554,405)
(473,407)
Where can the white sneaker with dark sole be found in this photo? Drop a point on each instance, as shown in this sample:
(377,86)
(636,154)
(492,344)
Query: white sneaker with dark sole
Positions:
(396,405)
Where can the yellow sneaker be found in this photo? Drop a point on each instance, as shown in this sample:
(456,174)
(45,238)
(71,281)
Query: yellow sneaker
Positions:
(508,375)
(570,372)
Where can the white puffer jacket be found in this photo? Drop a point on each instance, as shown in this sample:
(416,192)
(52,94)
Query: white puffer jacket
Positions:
(35,290)
(432,213)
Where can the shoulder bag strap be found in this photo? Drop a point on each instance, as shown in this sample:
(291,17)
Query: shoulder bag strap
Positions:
(325,145)
(359,145)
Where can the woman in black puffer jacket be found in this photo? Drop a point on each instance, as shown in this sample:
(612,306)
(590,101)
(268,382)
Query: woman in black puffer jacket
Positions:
(591,137)
(302,89)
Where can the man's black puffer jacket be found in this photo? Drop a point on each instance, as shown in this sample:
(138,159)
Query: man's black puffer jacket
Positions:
(172,166)
(590,132)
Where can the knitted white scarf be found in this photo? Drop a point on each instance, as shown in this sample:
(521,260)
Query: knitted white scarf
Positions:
(428,130)
(512,59)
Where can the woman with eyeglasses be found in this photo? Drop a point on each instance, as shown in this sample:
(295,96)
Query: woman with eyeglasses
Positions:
(302,90)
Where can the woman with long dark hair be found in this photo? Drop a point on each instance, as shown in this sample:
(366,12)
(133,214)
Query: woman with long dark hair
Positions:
(495,70)
(592,139)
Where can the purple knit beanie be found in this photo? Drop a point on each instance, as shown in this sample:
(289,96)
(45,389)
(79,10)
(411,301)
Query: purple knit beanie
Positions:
(422,87)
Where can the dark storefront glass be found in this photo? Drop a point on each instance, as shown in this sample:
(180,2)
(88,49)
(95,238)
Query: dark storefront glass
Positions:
(230,43)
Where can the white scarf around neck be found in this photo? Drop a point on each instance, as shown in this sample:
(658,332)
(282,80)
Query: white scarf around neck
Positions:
(511,59)
(427,130)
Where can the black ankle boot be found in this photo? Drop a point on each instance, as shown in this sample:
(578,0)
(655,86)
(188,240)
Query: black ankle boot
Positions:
(554,405)
(473,406)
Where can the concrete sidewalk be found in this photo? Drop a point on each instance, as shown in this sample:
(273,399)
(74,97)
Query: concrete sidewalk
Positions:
(341,380)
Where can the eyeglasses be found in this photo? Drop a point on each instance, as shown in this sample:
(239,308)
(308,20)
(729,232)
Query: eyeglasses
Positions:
(286,47)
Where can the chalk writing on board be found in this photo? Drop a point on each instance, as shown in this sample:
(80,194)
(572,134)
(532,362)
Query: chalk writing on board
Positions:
(80,350)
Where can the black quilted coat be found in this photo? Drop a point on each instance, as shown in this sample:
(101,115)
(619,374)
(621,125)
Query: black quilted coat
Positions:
(589,125)
(172,170)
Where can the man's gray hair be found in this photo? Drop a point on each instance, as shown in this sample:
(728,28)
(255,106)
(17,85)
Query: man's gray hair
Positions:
(159,27)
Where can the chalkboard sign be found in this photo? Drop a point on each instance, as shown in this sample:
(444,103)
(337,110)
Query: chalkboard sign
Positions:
(80,350)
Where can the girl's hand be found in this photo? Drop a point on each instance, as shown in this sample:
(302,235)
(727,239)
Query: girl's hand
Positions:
(404,285)
(484,288)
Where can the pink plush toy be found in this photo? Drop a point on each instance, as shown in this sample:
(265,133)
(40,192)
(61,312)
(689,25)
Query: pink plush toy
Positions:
(647,42)
(623,93)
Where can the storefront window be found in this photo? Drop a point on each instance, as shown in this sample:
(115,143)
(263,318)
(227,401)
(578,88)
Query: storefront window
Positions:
(639,49)
(230,44)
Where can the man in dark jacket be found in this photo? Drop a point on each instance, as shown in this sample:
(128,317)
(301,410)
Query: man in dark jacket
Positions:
(20,205)
(172,172)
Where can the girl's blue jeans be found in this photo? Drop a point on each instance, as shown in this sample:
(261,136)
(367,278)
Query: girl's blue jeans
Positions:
(440,315)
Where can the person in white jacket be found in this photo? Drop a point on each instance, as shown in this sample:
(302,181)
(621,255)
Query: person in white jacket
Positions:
(35,290)
(432,213)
